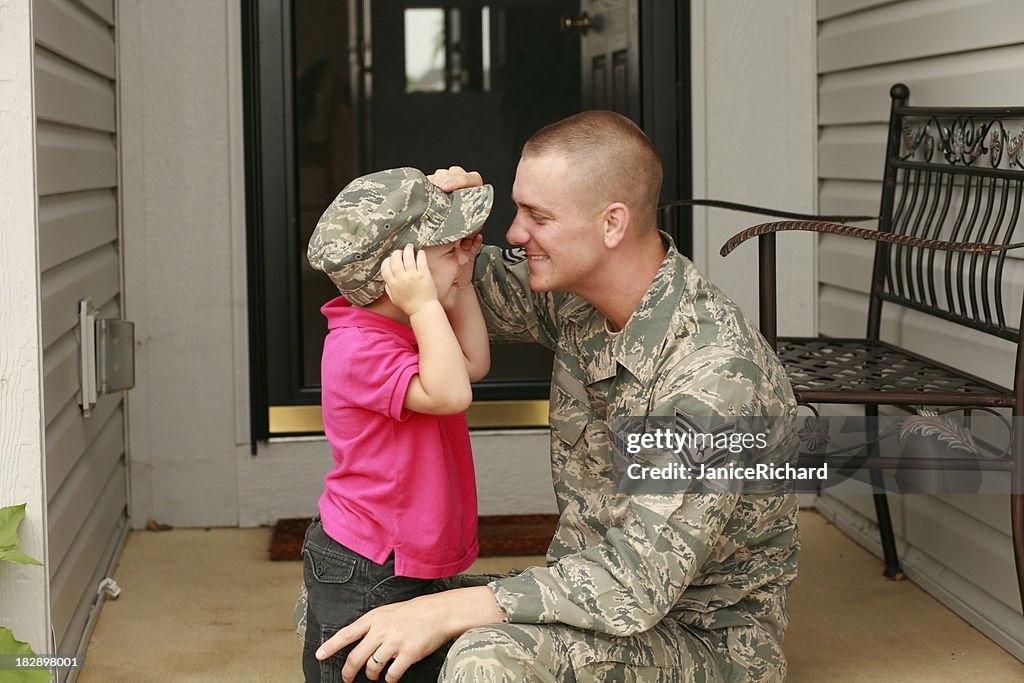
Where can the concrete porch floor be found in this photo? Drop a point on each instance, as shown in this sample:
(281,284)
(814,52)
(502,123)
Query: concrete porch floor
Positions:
(207,606)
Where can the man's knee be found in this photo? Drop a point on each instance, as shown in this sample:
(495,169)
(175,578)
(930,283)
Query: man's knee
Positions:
(496,654)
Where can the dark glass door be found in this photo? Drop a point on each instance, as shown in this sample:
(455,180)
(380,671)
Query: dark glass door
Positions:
(338,88)
(467,82)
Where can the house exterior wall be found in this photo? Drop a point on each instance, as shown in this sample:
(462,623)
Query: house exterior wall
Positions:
(948,51)
(181,222)
(24,590)
(753,142)
(60,245)
(75,72)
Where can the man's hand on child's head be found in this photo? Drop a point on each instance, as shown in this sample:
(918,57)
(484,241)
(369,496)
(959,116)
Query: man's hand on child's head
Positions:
(407,280)
(455,178)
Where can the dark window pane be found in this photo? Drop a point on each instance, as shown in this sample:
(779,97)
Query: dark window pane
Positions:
(326,150)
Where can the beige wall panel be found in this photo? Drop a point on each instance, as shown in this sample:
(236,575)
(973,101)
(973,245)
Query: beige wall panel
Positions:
(94,275)
(852,152)
(73,224)
(981,78)
(917,28)
(754,69)
(76,164)
(828,9)
(61,376)
(70,506)
(980,354)
(947,52)
(69,30)
(70,584)
(844,196)
(863,504)
(80,617)
(66,93)
(179,127)
(846,262)
(70,434)
(841,313)
(845,314)
(962,544)
(851,197)
(991,510)
(69,160)
(104,9)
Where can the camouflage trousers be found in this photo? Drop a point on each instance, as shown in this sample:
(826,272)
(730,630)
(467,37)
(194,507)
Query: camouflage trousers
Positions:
(554,653)
(669,652)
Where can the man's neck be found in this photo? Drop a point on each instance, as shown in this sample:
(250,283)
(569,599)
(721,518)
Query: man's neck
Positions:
(624,283)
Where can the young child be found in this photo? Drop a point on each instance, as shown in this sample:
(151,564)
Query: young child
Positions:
(406,338)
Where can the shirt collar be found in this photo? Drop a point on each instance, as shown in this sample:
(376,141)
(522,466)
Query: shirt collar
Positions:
(637,347)
(341,313)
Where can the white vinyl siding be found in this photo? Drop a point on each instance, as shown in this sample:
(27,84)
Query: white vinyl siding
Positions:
(76,157)
(963,52)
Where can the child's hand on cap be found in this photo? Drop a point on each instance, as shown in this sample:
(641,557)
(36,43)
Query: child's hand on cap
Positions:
(407,280)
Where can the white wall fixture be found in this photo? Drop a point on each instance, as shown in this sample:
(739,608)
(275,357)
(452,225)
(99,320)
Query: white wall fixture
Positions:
(107,360)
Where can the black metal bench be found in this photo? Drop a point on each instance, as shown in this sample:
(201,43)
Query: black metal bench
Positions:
(951,203)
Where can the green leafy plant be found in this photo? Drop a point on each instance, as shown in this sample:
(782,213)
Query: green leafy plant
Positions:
(10,518)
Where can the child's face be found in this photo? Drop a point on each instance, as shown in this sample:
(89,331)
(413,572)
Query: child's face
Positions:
(447,263)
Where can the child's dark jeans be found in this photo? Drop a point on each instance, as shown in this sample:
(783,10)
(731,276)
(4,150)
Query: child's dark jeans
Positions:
(342,586)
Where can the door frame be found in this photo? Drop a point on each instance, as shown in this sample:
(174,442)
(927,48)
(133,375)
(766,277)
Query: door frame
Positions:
(665,105)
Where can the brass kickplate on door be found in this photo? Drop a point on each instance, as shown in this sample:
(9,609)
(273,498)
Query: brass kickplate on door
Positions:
(480,415)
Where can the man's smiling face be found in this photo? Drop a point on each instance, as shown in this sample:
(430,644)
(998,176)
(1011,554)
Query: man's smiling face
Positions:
(562,239)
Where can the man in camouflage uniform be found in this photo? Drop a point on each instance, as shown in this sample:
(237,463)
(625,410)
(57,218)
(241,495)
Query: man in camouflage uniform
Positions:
(687,586)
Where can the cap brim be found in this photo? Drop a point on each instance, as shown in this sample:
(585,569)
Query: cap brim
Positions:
(469,210)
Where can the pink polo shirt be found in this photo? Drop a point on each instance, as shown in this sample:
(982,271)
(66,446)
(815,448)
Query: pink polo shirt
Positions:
(402,481)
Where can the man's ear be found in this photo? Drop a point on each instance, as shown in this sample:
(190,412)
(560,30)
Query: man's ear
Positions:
(616,222)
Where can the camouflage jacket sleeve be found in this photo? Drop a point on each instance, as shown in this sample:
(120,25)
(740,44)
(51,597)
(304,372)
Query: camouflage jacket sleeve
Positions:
(512,312)
(656,546)
(628,583)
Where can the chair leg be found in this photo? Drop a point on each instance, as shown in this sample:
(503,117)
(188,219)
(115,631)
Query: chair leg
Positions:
(889,554)
(1017,496)
(1017,531)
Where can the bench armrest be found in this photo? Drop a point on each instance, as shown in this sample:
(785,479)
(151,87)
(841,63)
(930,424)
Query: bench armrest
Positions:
(863,233)
(764,211)
(765,232)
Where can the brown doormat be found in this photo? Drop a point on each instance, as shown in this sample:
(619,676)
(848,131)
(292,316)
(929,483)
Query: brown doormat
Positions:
(498,534)
(515,534)
(286,541)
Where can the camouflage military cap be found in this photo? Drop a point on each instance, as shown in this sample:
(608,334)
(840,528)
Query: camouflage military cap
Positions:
(381,212)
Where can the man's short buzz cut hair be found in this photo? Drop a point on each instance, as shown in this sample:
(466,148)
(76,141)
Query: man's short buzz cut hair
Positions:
(610,153)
